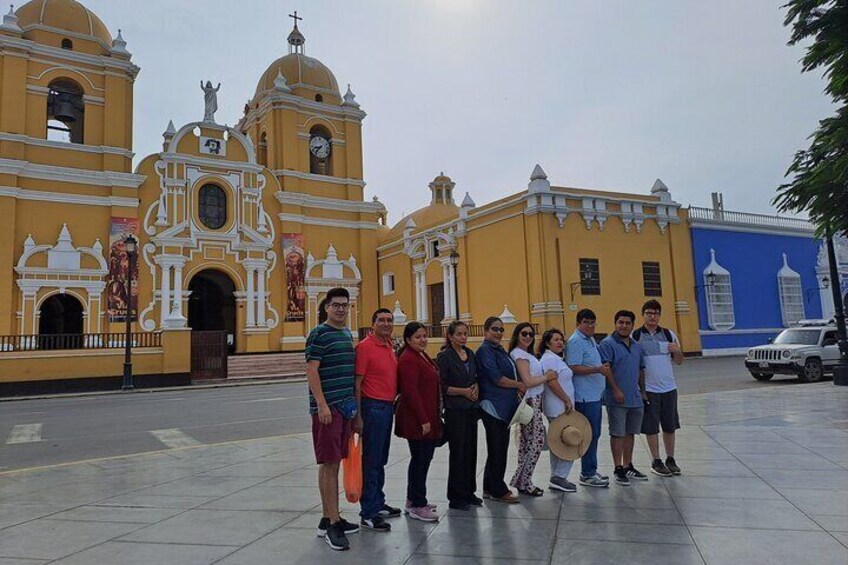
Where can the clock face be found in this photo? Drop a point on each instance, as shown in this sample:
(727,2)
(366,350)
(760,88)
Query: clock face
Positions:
(319,147)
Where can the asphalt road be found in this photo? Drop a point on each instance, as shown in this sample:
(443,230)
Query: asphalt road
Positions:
(59,430)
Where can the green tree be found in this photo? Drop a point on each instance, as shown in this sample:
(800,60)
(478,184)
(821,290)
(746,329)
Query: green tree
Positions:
(819,184)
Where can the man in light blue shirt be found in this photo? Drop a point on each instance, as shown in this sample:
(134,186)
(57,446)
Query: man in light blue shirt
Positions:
(590,381)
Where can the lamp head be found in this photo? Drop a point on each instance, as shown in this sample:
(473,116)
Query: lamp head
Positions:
(826,282)
(131,244)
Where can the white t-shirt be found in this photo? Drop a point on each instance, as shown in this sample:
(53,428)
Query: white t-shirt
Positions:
(535,371)
(552,405)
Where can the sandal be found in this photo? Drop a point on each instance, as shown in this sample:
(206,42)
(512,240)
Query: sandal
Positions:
(536,491)
(508,498)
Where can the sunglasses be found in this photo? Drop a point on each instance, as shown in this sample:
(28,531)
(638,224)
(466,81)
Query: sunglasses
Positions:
(496,330)
(527,334)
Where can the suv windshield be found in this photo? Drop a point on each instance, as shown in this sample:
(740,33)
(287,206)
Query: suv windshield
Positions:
(798,337)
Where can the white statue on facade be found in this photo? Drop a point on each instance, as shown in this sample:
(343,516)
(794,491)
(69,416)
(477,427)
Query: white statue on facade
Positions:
(211,97)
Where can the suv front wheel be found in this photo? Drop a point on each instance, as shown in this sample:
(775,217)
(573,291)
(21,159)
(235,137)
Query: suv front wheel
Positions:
(812,371)
(762,376)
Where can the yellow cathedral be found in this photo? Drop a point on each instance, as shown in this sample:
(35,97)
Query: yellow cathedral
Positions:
(242,230)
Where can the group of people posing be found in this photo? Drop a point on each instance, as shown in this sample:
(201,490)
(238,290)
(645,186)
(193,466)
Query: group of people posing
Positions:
(372,389)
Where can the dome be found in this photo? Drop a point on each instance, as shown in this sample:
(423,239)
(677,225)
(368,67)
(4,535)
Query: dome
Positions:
(425,218)
(304,75)
(65,15)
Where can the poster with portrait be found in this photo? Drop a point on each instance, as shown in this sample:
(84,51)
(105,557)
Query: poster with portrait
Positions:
(295,276)
(116,284)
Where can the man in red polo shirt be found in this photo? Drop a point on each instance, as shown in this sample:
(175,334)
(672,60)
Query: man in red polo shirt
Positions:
(376,390)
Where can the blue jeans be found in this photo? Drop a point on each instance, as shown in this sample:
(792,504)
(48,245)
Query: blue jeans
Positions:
(589,461)
(377,419)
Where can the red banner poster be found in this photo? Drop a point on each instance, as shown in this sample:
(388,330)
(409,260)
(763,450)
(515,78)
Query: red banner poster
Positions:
(295,276)
(116,286)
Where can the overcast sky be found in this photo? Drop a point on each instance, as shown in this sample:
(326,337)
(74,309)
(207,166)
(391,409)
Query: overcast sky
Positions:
(610,94)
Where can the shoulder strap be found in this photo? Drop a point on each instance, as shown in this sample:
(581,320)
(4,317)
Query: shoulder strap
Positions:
(637,334)
(667,334)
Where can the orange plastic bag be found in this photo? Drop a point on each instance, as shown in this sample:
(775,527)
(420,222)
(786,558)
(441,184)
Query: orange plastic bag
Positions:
(352,467)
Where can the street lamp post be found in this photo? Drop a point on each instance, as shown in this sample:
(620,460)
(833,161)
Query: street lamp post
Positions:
(130,244)
(840,372)
(454,261)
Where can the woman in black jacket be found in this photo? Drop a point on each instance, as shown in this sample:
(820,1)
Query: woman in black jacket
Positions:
(458,371)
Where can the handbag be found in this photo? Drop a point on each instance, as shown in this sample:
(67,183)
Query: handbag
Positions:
(352,468)
(523,414)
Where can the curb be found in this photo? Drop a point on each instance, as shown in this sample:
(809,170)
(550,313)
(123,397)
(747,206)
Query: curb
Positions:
(244,382)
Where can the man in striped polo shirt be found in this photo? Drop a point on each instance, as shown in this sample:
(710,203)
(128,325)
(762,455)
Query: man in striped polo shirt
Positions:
(330,373)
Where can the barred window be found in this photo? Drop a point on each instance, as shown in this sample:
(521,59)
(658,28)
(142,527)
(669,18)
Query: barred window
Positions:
(213,206)
(590,277)
(651,278)
(720,302)
(791,295)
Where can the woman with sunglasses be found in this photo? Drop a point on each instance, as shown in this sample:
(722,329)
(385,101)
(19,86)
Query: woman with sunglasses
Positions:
(499,384)
(417,418)
(532,437)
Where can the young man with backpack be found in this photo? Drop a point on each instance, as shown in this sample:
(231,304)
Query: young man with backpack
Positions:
(662,348)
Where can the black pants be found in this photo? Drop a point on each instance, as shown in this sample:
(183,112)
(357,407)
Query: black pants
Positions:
(461,431)
(497,444)
(421,451)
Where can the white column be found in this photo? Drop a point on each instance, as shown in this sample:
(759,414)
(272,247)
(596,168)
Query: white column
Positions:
(177,311)
(446,286)
(251,298)
(419,310)
(261,301)
(165,294)
(454,309)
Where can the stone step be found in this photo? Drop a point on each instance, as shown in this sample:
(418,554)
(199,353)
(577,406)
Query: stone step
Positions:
(269,365)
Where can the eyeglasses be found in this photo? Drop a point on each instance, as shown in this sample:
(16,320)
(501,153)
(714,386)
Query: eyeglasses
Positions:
(496,330)
(339,305)
(527,334)
(651,313)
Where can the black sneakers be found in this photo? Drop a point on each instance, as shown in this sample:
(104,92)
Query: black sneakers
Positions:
(336,538)
(347,527)
(475,500)
(671,465)
(377,524)
(389,512)
(621,478)
(634,474)
(659,468)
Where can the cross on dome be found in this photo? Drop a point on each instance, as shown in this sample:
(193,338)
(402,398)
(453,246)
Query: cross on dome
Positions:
(296,39)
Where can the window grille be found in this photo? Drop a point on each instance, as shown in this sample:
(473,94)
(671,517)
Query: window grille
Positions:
(651,279)
(590,277)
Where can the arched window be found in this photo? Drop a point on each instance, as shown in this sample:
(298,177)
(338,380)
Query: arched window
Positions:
(212,206)
(65,112)
(262,151)
(319,98)
(791,295)
(67,44)
(719,290)
(320,151)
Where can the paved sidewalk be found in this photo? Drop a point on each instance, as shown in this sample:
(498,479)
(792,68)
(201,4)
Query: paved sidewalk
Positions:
(765,481)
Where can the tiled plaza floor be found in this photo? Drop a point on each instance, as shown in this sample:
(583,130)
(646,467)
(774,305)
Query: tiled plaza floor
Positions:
(765,481)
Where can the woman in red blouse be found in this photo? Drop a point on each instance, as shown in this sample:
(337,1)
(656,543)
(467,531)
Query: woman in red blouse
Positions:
(417,418)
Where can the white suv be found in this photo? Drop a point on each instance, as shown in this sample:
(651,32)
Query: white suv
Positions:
(808,350)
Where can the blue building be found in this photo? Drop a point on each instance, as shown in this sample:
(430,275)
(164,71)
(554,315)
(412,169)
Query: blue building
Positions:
(757,274)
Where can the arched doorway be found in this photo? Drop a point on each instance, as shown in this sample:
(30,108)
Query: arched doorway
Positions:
(60,323)
(212,304)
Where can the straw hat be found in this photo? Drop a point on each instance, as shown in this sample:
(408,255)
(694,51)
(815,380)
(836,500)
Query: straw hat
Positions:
(569,435)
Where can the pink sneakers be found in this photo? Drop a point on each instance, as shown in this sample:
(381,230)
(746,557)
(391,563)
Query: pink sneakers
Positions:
(425,514)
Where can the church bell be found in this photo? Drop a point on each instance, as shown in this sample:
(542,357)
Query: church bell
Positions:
(65,107)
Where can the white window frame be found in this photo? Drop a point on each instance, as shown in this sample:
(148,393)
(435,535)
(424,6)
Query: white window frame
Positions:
(388,284)
(791,295)
(720,312)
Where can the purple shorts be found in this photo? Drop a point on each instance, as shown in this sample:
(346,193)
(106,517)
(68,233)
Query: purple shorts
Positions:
(331,440)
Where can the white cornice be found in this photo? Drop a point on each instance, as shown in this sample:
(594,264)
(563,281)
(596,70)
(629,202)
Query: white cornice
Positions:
(65,198)
(274,100)
(240,166)
(66,174)
(768,230)
(328,222)
(44,91)
(97,149)
(318,178)
(96,61)
(321,203)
